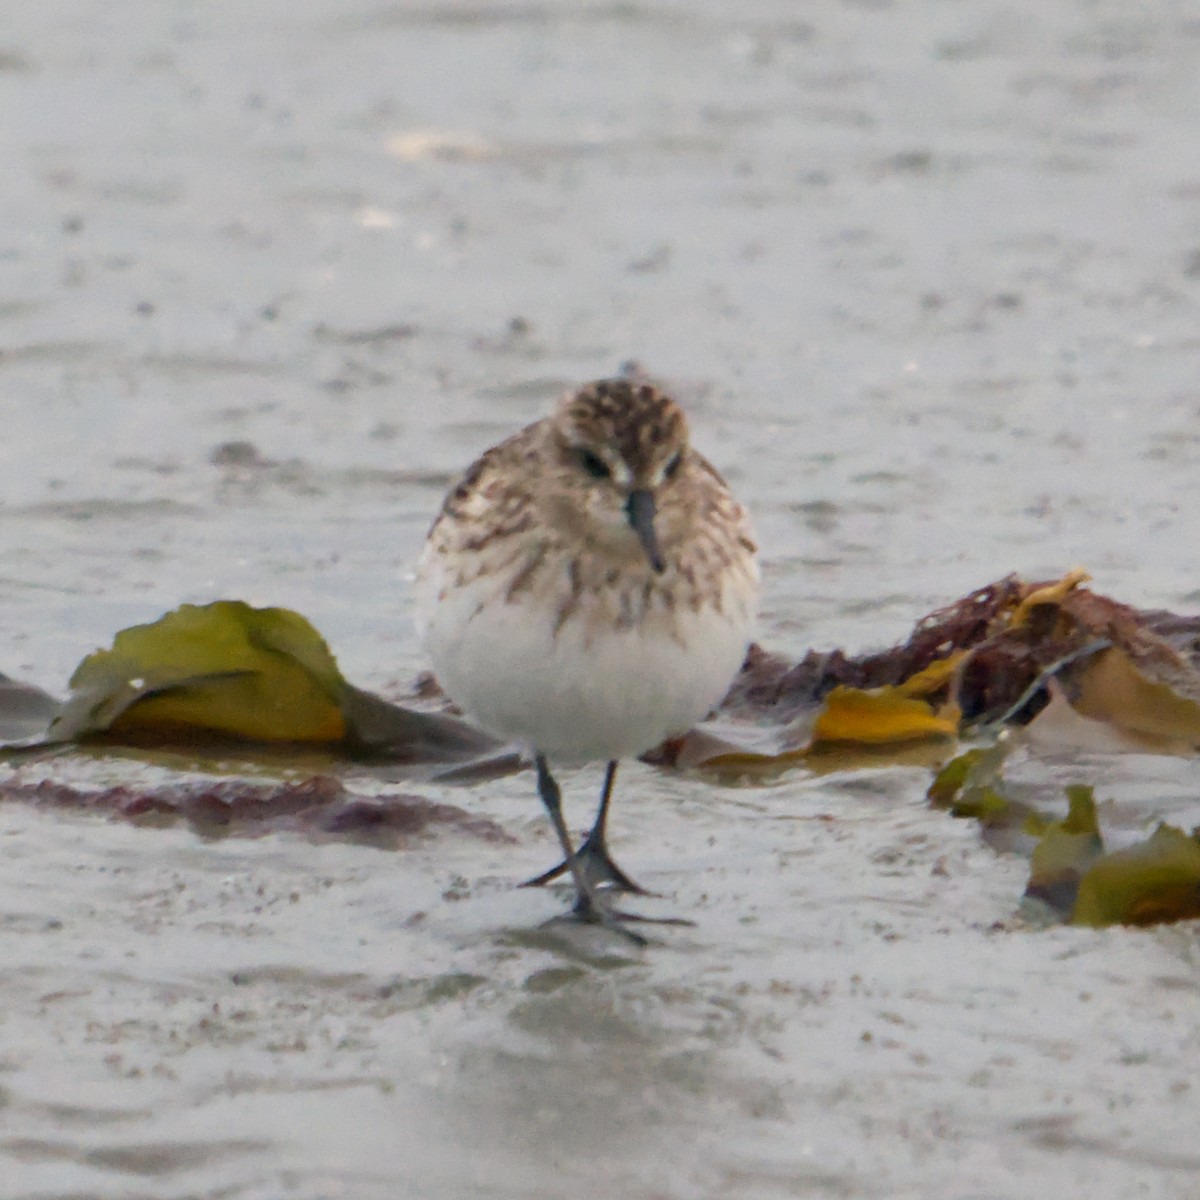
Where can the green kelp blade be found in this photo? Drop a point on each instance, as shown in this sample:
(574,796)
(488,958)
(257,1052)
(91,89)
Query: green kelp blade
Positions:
(265,675)
(1081,811)
(1157,880)
(969,785)
(377,728)
(25,711)
(1112,687)
(1065,851)
(951,779)
(260,674)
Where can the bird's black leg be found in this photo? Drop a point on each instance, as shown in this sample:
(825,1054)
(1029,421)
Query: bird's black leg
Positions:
(587,905)
(593,856)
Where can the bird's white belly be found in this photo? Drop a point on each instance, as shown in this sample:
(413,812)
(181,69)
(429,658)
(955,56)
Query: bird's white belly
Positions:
(588,690)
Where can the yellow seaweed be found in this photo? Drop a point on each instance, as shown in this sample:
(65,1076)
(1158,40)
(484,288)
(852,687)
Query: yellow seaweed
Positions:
(1053,593)
(1112,688)
(880,716)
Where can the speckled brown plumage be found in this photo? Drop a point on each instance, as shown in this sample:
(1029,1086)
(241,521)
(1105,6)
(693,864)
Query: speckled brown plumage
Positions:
(587,590)
(703,529)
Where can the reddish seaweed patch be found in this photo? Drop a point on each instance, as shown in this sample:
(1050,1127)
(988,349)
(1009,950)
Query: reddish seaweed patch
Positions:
(319,806)
(1009,634)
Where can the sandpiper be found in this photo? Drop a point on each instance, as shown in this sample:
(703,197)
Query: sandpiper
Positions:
(588,591)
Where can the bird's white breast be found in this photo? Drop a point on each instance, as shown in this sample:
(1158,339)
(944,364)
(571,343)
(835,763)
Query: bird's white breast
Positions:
(584,687)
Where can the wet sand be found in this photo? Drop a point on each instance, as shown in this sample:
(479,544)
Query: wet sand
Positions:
(925,276)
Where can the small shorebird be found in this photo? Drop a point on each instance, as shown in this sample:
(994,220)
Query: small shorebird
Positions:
(588,591)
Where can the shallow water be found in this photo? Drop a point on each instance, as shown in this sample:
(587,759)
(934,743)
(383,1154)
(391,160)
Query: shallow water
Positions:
(925,276)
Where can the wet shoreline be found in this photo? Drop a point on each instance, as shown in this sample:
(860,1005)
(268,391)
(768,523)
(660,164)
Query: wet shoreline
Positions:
(924,277)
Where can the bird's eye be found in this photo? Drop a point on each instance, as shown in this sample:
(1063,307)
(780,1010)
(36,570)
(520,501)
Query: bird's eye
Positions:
(594,465)
(673,466)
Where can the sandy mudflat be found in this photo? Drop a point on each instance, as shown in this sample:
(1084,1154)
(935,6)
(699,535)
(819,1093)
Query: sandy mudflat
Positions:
(925,275)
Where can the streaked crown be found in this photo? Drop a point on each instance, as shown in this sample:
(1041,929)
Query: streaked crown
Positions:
(634,429)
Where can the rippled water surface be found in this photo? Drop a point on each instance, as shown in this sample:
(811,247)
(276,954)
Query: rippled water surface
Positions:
(925,276)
